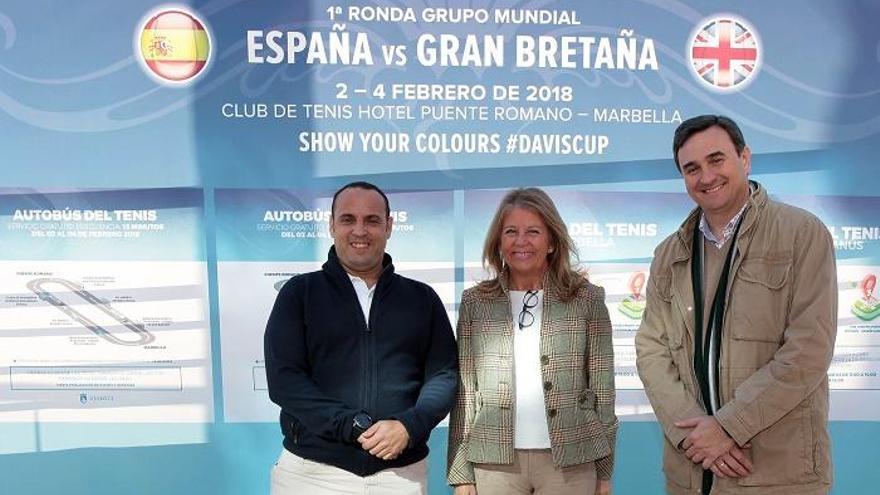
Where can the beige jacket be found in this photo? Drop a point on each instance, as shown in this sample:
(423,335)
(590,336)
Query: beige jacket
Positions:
(577,368)
(777,342)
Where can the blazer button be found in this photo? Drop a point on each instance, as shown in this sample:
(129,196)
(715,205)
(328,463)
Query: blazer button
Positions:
(548,386)
(545,359)
(551,413)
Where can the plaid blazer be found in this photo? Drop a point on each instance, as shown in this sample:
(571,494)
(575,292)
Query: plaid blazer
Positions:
(577,367)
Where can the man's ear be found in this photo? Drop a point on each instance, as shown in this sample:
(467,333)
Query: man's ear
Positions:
(746,157)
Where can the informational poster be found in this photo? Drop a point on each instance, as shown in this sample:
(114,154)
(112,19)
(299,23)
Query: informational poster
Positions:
(103,307)
(854,376)
(265,237)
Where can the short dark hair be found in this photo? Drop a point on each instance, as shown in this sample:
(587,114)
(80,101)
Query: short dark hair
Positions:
(360,185)
(700,123)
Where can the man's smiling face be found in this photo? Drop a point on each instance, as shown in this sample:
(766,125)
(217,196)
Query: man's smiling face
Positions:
(360,229)
(715,175)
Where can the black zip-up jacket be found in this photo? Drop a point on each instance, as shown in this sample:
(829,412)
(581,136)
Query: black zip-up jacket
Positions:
(324,364)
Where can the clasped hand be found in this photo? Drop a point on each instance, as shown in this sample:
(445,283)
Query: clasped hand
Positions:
(708,444)
(386,439)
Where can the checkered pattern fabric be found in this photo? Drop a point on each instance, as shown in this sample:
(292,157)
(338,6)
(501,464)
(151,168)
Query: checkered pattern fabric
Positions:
(577,368)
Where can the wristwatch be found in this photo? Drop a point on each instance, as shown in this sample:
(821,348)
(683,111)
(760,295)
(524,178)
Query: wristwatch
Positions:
(361,423)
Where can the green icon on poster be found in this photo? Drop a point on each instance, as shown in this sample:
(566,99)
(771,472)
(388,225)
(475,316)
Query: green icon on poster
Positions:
(867,307)
(633,305)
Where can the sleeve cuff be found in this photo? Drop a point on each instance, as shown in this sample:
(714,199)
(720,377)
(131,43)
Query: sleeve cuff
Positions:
(416,431)
(734,427)
(461,474)
(676,434)
(605,467)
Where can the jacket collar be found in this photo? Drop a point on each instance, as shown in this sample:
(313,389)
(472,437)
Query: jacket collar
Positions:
(334,268)
(757,201)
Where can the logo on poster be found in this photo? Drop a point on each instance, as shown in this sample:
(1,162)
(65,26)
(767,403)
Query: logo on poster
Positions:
(173,45)
(725,53)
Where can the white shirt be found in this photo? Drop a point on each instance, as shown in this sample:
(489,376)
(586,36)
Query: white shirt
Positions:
(530,427)
(364,295)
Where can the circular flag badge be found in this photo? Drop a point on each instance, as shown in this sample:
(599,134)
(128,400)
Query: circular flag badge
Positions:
(725,53)
(174,45)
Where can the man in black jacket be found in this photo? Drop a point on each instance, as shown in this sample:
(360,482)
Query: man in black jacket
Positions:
(362,362)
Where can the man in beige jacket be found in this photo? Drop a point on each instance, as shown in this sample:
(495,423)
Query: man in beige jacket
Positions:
(739,330)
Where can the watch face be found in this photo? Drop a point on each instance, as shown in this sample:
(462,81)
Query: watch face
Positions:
(362,420)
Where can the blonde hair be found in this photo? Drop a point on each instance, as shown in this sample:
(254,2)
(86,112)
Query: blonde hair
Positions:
(563,276)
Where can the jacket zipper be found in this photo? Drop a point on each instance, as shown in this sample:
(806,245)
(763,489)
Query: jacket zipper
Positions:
(369,403)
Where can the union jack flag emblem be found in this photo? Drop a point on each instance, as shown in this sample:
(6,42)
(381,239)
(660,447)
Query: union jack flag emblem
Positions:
(725,53)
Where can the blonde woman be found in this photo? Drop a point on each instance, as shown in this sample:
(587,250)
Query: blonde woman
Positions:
(535,405)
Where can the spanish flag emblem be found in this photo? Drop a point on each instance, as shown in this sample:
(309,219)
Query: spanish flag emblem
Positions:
(175,45)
